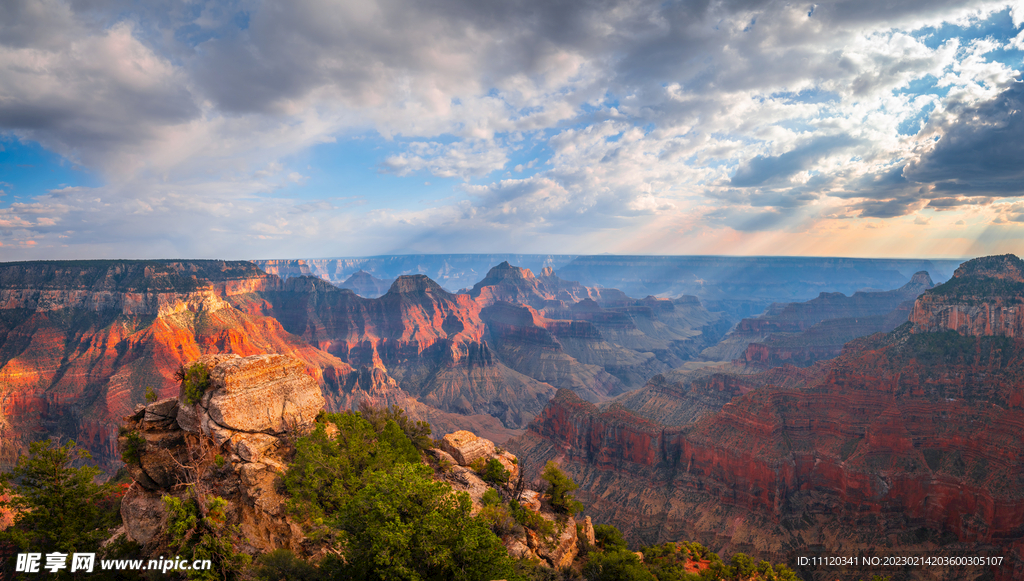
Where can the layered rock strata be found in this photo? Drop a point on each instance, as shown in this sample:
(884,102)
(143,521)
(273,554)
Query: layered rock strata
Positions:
(231,444)
(912,439)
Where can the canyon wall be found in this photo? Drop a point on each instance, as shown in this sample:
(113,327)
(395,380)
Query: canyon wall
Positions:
(909,440)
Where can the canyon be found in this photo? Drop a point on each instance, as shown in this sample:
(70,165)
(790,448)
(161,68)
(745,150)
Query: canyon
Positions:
(894,418)
(907,443)
(82,341)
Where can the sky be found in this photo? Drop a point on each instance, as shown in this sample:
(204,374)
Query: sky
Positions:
(320,128)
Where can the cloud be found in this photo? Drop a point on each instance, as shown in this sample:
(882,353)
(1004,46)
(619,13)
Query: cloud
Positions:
(634,117)
(762,169)
(980,149)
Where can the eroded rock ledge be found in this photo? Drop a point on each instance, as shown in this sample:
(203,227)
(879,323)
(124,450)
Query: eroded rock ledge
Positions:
(232,443)
(236,441)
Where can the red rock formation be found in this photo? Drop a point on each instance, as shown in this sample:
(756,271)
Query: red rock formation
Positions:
(81,341)
(984,297)
(905,437)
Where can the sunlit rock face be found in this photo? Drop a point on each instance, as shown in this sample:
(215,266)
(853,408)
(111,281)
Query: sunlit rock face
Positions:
(985,297)
(914,436)
(233,443)
(81,341)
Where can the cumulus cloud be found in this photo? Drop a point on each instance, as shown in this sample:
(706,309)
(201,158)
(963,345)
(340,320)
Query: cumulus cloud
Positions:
(746,117)
(980,149)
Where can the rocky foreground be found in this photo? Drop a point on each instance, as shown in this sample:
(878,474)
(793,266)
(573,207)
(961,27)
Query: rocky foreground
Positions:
(236,440)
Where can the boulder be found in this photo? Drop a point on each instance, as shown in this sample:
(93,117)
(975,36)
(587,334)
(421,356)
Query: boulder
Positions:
(518,548)
(530,499)
(143,513)
(162,414)
(263,393)
(466,447)
(463,479)
(252,447)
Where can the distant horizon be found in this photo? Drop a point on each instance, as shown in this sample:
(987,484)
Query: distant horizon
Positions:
(538,254)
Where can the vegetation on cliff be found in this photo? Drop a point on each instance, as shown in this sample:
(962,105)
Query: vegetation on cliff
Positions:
(363,491)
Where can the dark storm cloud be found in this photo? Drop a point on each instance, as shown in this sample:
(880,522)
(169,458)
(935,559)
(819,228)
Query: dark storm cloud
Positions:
(764,169)
(981,149)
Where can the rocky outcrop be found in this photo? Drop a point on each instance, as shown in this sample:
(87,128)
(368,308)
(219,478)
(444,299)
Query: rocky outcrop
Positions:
(985,297)
(232,444)
(465,447)
(461,454)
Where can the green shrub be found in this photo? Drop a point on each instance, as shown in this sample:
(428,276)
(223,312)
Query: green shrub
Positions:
(495,473)
(478,465)
(616,565)
(133,447)
(609,538)
(204,536)
(498,519)
(326,471)
(560,489)
(195,380)
(150,394)
(404,525)
(417,432)
(531,520)
(491,498)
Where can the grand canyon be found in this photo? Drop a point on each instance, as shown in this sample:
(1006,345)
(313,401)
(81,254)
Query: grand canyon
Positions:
(796,407)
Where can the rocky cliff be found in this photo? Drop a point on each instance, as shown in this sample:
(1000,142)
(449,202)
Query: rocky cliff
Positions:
(912,439)
(985,297)
(233,443)
(81,341)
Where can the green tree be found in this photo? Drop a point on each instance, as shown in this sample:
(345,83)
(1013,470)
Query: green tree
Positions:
(405,525)
(197,530)
(742,565)
(495,473)
(328,469)
(560,489)
(608,537)
(417,432)
(58,507)
(616,565)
